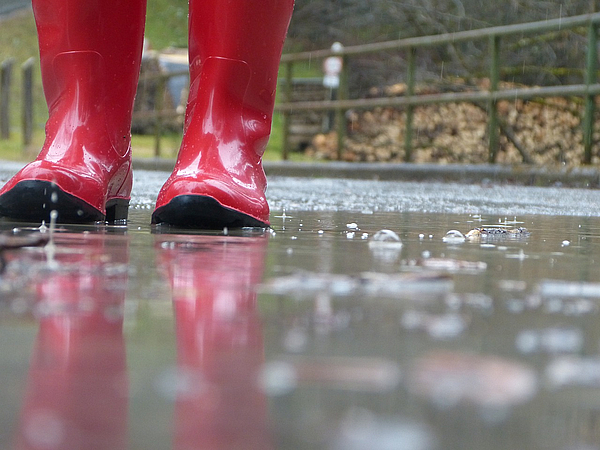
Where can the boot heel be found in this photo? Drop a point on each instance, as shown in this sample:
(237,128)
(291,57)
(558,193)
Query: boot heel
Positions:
(117,211)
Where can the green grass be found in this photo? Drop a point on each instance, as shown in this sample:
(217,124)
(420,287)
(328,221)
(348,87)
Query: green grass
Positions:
(166,26)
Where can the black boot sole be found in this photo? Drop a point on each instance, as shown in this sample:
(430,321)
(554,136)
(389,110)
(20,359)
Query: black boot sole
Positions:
(202,213)
(34,200)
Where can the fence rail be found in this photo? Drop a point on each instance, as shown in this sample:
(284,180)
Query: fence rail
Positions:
(494,35)
(587,90)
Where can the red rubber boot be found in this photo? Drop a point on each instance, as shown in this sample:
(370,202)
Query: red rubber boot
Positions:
(218,181)
(90,55)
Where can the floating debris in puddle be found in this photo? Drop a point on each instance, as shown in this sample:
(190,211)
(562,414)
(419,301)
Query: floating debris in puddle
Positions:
(346,373)
(447,264)
(573,371)
(550,340)
(368,284)
(492,233)
(451,378)
(437,326)
(361,429)
(454,237)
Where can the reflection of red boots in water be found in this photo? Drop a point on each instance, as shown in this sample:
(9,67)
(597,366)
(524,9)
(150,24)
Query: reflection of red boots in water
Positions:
(76,394)
(219,342)
(90,54)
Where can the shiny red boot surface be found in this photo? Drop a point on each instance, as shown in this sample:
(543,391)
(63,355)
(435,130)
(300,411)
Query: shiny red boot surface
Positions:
(218,179)
(90,54)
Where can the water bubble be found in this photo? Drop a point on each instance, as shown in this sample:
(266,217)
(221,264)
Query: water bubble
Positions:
(350,235)
(550,340)
(295,340)
(45,429)
(362,429)
(385,245)
(448,378)
(278,378)
(573,371)
(387,236)
(454,237)
(565,243)
(352,226)
(176,383)
(421,236)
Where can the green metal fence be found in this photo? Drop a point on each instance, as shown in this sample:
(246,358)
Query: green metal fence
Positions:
(494,35)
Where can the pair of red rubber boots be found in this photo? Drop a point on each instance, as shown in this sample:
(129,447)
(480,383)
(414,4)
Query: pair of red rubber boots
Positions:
(90,55)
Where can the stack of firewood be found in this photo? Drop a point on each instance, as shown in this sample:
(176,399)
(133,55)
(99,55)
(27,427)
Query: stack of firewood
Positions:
(542,131)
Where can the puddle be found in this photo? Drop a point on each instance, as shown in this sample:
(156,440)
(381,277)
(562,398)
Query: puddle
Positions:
(353,323)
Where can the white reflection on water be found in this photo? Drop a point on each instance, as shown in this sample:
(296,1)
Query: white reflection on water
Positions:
(362,429)
(450,378)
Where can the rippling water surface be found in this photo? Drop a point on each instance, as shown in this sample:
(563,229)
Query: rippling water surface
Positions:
(319,333)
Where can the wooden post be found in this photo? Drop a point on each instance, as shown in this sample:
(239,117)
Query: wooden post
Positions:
(158,111)
(289,73)
(340,113)
(5,82)
(27,69)
(589,108)
(494,133)
(410,91)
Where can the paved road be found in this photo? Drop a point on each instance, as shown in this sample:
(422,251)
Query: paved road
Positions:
(8,6)
(293,193)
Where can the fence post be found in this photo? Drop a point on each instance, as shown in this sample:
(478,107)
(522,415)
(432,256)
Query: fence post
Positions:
(158,111)
(27,69)
(493,125)
(410,91)
(590,78)
(5,82)
(340,113)
(289,73)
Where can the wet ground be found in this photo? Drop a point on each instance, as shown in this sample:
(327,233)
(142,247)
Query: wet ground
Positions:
(323,332)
